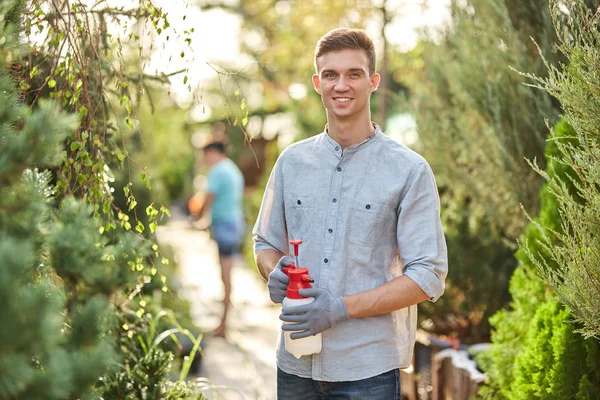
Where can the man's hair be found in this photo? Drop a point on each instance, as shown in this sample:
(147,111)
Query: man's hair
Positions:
(217,146)
(346,38)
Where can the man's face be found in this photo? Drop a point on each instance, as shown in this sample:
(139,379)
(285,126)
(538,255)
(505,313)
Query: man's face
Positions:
(211,157)
(344,83)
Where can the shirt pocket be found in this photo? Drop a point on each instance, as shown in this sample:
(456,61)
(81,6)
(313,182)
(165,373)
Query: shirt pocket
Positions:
(300,217)
(363,222)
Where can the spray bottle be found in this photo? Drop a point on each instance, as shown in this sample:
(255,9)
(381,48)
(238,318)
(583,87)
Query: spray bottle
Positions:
(299,279)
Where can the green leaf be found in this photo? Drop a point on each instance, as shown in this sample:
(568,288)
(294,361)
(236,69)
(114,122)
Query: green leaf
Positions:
(165,210)
(237,92)
(244,121)
(139,227)
(185,79)
(152,226)
(149,209)
(51,83)
(143,176)
(33,72)
(74,146)
(83,111)
(132,204)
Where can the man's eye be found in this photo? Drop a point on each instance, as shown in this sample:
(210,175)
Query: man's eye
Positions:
(329,75)
(355,75)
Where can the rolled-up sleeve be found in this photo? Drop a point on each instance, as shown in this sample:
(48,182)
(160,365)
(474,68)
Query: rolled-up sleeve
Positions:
(270,229)
(420,235)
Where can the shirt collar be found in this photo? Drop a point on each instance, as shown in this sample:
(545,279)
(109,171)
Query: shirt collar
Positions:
(337,148)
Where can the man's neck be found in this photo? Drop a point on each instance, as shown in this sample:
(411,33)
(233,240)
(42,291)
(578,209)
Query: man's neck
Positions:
(349,132)
(217,161)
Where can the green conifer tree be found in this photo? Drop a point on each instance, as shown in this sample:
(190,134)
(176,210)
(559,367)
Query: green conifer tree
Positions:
(557,356)
(573,268)
(477,124)
(522,331)
(61,279)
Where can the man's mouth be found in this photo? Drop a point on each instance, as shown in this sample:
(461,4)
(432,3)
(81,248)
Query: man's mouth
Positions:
(342,99)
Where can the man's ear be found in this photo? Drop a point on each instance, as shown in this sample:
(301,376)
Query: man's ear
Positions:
(375,79)
(316,83)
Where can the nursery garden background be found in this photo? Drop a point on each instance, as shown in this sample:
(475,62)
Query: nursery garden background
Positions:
(104,105)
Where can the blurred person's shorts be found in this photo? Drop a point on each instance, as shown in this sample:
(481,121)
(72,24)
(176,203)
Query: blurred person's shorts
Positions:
(229,236)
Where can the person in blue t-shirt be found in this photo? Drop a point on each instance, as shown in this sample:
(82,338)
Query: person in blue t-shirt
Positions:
(224,195)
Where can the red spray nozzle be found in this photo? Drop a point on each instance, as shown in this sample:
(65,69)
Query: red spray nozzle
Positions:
(296,244)
(299,278)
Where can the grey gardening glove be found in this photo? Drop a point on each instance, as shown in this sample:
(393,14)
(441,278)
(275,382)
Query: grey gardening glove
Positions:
(278,281)
(314,317)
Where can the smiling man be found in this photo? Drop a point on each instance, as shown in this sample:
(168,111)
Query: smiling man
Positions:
(367,211)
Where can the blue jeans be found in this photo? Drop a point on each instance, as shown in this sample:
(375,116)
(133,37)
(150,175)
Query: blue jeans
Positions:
(381,387)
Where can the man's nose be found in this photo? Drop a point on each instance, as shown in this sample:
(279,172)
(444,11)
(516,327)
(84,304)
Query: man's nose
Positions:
(341,85)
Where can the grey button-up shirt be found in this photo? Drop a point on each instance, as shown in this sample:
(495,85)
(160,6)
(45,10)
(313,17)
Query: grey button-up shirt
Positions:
(365,215)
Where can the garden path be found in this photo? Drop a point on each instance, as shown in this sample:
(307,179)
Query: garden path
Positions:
(241,367)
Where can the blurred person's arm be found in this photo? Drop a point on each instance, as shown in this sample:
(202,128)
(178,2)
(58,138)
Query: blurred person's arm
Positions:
(213,183)
(206,205)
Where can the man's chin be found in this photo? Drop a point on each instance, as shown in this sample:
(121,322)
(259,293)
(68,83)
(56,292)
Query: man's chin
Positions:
(343,113)
(343,110)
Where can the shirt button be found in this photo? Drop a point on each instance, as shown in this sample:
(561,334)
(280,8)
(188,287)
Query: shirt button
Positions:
(339,169)
(337,148)
(325,261)
(329,230)
(299,202)
(368,206)
(334,200)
